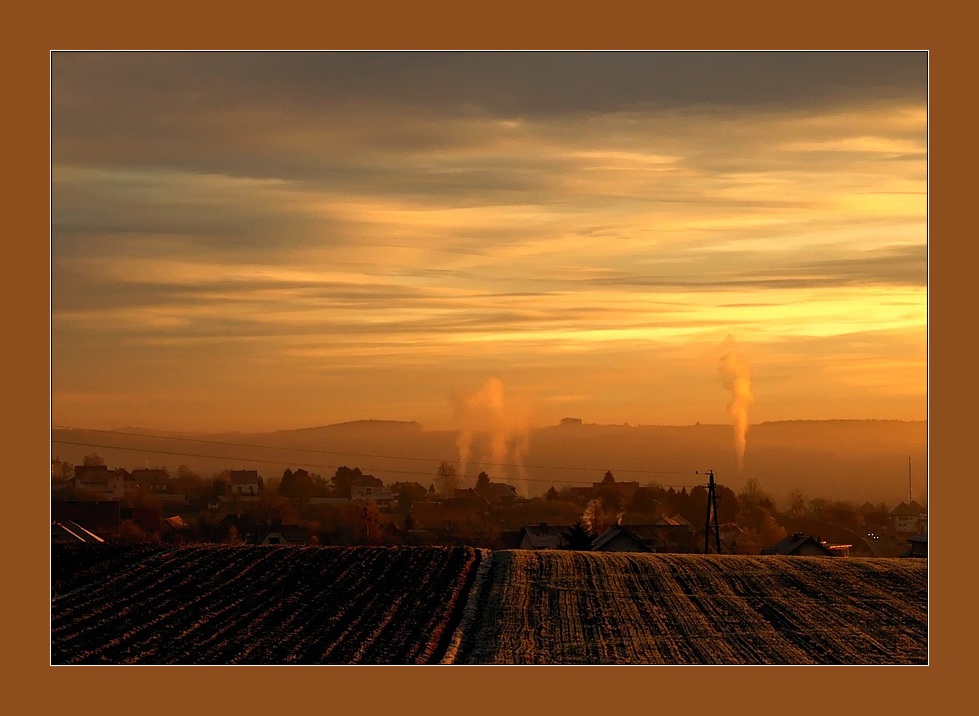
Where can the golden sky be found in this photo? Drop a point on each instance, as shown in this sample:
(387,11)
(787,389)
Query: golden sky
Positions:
(258,241)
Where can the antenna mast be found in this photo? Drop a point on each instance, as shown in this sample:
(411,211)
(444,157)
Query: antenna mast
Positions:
(910,498)
(711,505)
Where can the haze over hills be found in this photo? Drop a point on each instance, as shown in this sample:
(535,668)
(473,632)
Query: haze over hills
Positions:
(857,460)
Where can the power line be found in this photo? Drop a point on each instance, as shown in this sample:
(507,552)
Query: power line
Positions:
(336,452)
(177,453)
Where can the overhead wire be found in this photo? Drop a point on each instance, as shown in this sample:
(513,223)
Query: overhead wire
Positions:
(177,453)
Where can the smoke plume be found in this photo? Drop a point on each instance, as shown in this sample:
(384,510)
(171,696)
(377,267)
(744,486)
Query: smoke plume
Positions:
(736,376)
(489,424)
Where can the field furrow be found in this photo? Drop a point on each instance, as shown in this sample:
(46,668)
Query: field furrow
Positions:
(418,605)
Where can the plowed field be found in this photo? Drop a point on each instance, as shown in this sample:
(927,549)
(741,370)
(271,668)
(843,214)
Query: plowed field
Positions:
(619,608)
(118,604)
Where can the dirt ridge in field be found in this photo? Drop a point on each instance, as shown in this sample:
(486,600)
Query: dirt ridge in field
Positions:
(143,604)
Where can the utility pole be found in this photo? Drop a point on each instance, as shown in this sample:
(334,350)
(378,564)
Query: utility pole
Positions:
(711,505)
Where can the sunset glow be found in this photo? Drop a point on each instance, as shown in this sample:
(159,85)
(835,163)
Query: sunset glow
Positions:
(261,241)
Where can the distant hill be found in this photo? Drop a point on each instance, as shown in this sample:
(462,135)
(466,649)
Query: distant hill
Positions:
(857,460)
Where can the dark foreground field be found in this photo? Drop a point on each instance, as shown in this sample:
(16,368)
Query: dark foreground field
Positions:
(143,604)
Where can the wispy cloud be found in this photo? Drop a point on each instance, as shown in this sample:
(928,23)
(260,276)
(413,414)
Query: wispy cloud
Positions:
(349,213)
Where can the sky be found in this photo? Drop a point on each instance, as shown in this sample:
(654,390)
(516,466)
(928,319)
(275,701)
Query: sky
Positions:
(261,240)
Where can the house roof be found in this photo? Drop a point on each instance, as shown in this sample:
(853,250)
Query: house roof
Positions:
(366,481)
(544,536)
(150,476)
(470,494)
(243,477)
(618,532)
(91,473)
(71,531)
(497,491)
(920,539)
(237,521)
(790,544)
(291,533)
(904,509)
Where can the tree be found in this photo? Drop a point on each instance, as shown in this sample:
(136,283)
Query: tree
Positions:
(361,519)
(129,531)
(552,494)
(644,500)
(482,481)
(578,537)
(342,478)
(286,484)
(446,479)
(92,459)
(609,478)
(187,482)
(752,493)
(797,503)
(408,493)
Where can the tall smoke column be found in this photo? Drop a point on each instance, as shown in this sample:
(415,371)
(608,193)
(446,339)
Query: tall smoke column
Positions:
(482,411)
(487,415)
(736,377)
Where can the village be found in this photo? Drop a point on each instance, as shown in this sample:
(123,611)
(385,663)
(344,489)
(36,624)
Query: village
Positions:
(93,502)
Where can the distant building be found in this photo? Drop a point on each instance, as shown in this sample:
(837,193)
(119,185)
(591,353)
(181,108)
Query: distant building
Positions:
(618,539)
(498,494)
(800,545)
(99,481)
(151,479)
(275,535)
(368,487)
(244,482)
(918,546)
(910,518)
(543,536)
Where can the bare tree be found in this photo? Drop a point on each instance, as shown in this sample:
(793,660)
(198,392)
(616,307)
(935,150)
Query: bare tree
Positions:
(446,479)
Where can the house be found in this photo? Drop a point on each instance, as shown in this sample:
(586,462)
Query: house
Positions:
(800,544)
(735,539)
(368,487)
(661,533)
(618,539)
(99,481)
(542,536)
(498,494)
(130,487)
(910,518)
(151,479)
(470,498)
(918,546)
(244,482)
(234,526)
(280,535)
